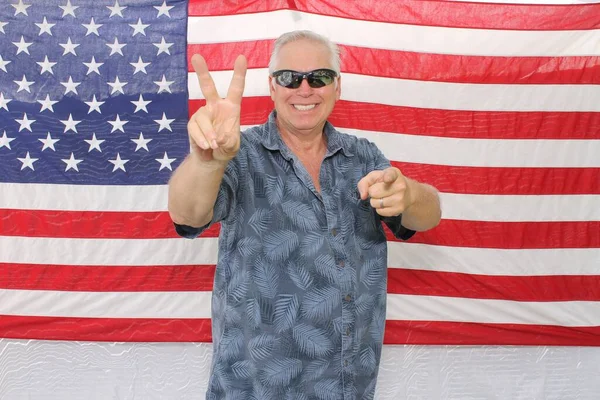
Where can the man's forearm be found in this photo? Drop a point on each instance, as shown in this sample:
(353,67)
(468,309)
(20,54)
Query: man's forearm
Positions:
(424,213)
(193,190)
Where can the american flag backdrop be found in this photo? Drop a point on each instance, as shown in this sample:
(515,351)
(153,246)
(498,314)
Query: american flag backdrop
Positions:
(495,104)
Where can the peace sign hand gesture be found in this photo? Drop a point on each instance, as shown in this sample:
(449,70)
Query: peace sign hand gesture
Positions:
(214,129)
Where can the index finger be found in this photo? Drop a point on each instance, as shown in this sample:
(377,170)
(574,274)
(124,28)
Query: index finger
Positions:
(207,85)
(366,182)
(238,81)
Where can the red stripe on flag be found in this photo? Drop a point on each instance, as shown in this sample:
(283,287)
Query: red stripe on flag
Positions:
(504,180)
(510,235)
(457,233)
(467,333)
(421,66)
(106,329)
(514,288)
(99,278)
(199,330)
(200,278)
(441,123)
(419,12)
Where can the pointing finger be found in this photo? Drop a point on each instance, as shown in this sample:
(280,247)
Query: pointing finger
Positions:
(207,85)
(366,182)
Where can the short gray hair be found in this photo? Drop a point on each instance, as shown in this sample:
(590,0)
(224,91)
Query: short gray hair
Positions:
(305,35)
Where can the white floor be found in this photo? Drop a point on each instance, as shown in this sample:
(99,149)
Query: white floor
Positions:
(37,370)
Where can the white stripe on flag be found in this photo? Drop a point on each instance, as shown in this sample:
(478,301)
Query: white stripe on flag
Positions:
(500,262)
(203,251)
(424,39)
(431,94)
(471,207)
(454,309)
(48,303)
(197,305)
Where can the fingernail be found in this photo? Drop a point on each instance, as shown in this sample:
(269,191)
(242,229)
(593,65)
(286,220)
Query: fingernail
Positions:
(214,144)
(205,145)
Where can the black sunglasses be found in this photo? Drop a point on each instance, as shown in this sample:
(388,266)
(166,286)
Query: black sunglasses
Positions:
(293,79)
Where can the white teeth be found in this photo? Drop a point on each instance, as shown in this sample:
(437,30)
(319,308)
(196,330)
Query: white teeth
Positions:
(304,107)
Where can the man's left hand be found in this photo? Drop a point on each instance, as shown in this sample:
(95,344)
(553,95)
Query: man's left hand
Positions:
(389,191)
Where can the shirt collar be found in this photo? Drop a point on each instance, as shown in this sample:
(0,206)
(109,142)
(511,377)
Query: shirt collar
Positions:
(271,139)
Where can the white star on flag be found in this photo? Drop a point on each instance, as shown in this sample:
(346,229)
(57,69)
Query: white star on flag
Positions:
(45,27)
(94,143)
(4,101)
(69,9)
(27,162)
(5,141)
(117,86)
(46,65)
(116,10)
(2,25)
(118,163)
(139,27)
(163,47)
(117,124)
(70,86)
(141,143)
(69,47)
(25,123)
(21,8)
(47,104)
(71,163)
(165,162)
(70,124)
(92,27)
(93,66)
(3,63)
(163,85)
(49,142)
(140,66)
(141,104)
(164,123)
(22,46)
(94,105)
(115,47)
(164,9)
(24,84)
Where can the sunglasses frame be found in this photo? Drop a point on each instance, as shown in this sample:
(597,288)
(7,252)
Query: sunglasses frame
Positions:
(309,76)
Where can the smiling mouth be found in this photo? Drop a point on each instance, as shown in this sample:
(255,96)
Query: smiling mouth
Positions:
(304,107)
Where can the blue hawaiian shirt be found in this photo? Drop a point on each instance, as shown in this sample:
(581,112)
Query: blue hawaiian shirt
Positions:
(299,297)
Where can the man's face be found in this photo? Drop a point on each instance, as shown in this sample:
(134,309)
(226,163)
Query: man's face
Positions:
(304,109)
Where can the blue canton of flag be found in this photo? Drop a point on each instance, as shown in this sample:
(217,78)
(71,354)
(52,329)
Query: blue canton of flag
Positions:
(92,92)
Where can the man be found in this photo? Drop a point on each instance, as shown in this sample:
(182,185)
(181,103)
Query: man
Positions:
(300,287)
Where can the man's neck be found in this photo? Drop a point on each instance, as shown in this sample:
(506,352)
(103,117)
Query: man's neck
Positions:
(304,143)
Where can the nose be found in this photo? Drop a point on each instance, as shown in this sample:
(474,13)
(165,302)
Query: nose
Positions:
(304,88)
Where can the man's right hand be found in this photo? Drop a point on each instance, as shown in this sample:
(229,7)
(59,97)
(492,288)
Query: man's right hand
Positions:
(214,129)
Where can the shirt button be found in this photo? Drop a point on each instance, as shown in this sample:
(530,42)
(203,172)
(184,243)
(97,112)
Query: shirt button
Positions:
(348,297)
(345,363)
(342,264)
(334,232)
(347,331)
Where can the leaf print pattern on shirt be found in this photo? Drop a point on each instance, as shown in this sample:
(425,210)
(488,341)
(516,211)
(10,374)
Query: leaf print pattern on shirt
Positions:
(300,285)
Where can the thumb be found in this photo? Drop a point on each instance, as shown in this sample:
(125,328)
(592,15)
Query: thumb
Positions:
(390,175)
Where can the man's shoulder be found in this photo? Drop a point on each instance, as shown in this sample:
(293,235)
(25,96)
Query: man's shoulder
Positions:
(356,145)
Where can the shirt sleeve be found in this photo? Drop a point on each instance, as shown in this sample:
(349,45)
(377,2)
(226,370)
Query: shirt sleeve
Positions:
(224,204)
(394,223)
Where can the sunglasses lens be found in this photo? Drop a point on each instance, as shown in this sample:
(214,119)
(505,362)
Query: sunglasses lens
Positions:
(315,79)
(320,78)
(288,79)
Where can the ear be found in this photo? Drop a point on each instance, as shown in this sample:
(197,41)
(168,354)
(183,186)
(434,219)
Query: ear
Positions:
(338,87)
